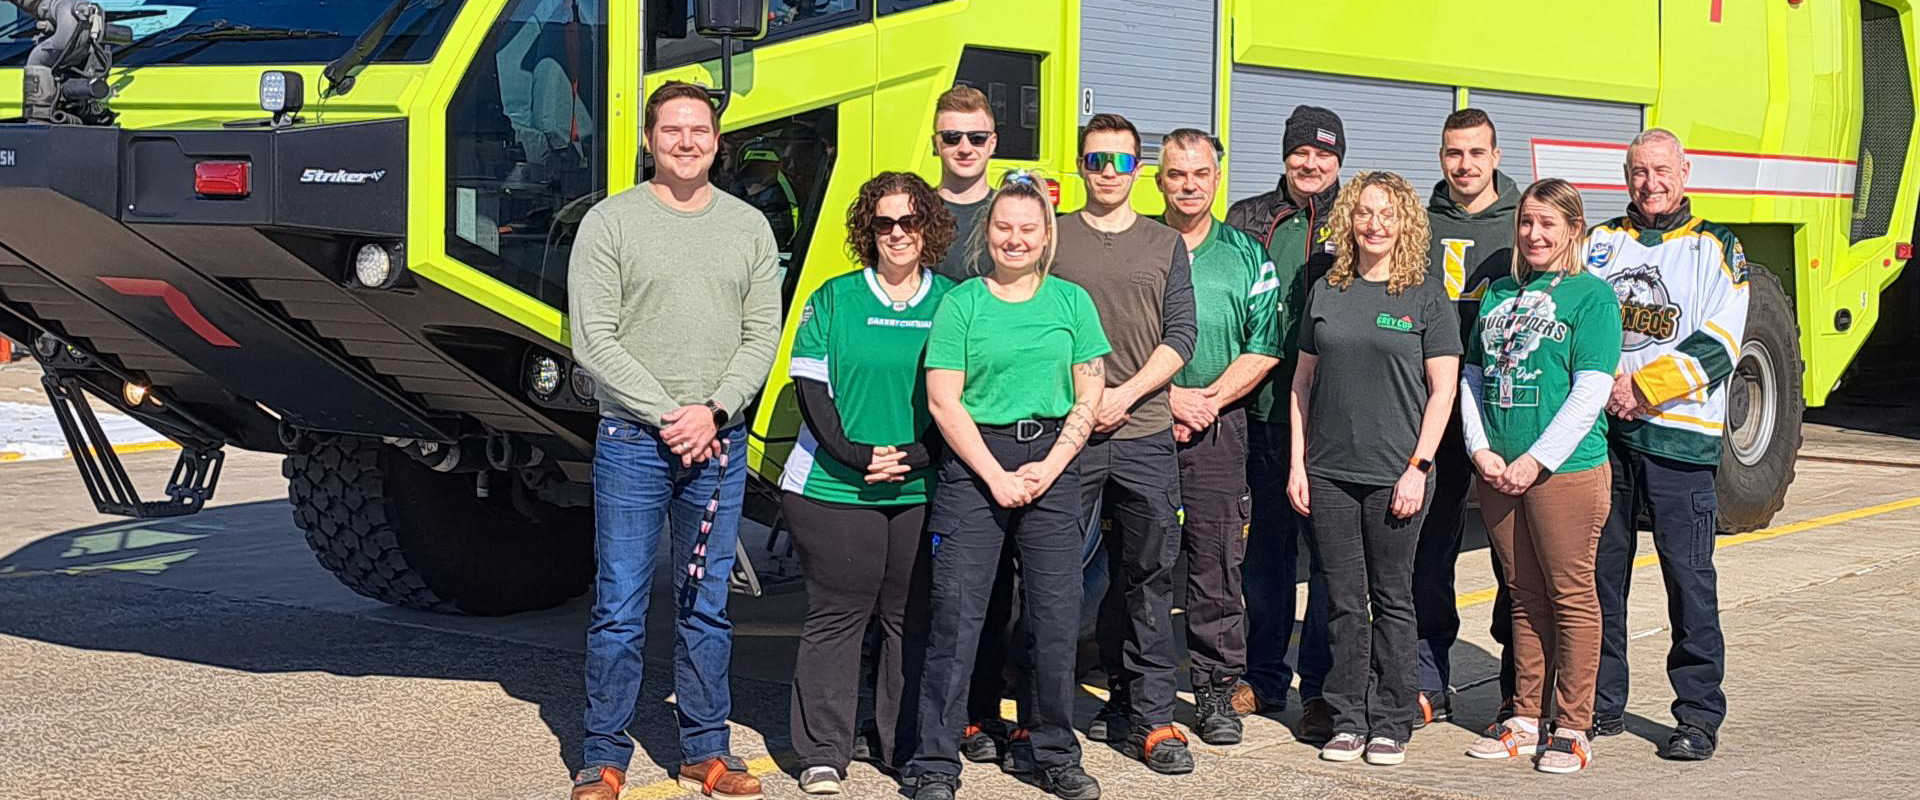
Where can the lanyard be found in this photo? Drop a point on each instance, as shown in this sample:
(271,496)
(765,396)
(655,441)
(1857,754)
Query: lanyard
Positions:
(1517,339)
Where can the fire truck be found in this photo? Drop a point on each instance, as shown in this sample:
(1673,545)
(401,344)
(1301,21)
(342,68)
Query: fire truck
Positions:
(340,231)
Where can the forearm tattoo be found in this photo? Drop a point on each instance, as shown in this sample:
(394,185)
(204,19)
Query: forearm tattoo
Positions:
(1079,425)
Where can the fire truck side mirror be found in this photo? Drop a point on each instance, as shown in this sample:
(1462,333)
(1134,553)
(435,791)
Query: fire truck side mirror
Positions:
(737,19)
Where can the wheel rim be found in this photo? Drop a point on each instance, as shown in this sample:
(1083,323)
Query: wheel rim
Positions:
(1751,405)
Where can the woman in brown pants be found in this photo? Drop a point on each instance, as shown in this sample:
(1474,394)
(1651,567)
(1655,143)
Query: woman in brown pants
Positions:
(1539,367)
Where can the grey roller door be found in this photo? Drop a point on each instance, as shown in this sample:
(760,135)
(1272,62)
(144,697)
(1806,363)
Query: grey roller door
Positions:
(1390,125)
(1521,118)
(1149,60)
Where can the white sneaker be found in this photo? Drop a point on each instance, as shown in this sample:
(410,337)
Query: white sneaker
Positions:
(820,780)
(1344,747)
(1385,752)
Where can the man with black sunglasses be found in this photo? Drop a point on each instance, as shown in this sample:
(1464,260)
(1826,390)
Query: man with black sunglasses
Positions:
(964,138)
(1138,273)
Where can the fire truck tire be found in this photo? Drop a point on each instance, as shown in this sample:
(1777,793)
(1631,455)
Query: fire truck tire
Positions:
(394,530)
(1764,408)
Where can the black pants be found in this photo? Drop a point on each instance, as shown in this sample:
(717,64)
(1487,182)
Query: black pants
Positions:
(991,659)
(1685,508)
(1367,553)
(970,531)
(1213,490)
(1140,482)
(1271,572)
(1434,601)
(858,563)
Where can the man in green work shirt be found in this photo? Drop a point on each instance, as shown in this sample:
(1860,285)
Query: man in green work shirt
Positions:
(1237,342)
(1291,221)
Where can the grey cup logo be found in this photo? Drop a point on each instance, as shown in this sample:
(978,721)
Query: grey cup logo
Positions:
(1647,312)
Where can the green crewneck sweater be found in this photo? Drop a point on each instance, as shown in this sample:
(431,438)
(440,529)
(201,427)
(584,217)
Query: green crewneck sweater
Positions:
(673,308)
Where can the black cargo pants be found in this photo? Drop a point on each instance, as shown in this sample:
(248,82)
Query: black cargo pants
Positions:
(1139,480)
(1213,492)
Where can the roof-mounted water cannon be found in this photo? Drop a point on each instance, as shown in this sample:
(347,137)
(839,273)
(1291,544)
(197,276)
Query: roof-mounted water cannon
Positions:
(65,81)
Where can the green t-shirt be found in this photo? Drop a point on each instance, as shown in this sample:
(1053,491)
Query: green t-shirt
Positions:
(1018,357)
(1235,301)
(1575,328)
(867,349)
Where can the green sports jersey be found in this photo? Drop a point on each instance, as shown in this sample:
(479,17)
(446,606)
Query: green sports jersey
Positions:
(1018,357)
(1574,328)
(1235,298)
(867,349)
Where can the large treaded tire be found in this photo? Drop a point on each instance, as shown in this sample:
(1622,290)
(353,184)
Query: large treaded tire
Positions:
(396,531)
(1764,409)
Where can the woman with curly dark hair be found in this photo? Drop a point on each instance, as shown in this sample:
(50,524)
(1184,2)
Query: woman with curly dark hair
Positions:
(856,484)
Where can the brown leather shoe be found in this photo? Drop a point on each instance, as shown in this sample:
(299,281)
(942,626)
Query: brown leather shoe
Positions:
(722,778)
(1244,701)
(599,783)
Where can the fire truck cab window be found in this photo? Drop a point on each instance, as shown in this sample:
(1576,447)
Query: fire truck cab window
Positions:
(526,149)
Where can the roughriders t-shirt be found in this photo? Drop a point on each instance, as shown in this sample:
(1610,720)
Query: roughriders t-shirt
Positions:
(1370,386)
(1572,328)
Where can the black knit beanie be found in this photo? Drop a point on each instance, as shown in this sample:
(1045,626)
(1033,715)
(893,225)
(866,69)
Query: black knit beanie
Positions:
(1315,126)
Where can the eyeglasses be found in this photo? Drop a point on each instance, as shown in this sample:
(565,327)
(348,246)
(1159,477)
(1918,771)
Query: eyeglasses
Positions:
(975,138)
(882,226)
(1389,217)
(1123,163)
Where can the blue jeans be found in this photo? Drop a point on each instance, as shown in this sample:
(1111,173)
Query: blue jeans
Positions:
(639,488)
(1270,574)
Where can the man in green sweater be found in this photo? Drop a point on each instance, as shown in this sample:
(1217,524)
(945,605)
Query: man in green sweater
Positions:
(675,311)
(1471,214)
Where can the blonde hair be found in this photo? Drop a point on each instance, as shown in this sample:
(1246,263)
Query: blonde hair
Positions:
(1016,184)
(1408,261)
(1559,195)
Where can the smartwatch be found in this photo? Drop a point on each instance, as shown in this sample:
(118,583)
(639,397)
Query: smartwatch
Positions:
(719,414)
(1422,464)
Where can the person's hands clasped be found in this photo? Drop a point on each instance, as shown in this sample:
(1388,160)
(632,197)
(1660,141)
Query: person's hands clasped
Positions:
(1009,490)
(886,466)
(690,434)
(1194,407)
(1490,465)
(1409,494)
(1038,477)
(1116,407)
(1519,476)
(1626,402)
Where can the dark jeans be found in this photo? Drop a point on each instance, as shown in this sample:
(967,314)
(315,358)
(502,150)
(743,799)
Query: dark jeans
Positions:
(858,563)
(1685,509)
(1367,553)
(971,530)
(1434,601)
(1140,479)
(1271,572)
(640,491)
(1213,490)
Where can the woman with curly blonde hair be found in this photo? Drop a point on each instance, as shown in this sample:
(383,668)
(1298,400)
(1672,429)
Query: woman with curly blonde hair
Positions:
(1372,389)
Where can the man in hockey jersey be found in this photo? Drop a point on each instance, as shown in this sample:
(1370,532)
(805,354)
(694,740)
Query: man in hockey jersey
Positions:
(1682,286)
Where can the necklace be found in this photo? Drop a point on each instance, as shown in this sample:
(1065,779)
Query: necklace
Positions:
(910,288)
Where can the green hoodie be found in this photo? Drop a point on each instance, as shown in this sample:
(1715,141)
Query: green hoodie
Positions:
(1471,251)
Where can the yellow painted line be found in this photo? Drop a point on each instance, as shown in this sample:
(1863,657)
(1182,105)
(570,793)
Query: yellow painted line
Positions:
(663,789)
(1722,542)
(122,449)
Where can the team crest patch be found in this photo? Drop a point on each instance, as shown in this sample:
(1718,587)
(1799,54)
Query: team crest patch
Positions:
(1738,260)
(1648,314)
(1598,254)
(806,313)
(1326,136)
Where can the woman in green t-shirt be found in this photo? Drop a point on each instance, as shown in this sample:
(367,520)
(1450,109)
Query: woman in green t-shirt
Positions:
(1013,376)
(856,482)
(1539,368)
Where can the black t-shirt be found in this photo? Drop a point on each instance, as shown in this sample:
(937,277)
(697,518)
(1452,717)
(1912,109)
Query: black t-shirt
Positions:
(966,219)
(1370,386)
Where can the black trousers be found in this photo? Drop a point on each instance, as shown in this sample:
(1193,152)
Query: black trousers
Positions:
(1271,575)
(1434,600)
(996,662)
(1684,505)
(1367,554)
(1139,480)
(1213,491)
(970,532)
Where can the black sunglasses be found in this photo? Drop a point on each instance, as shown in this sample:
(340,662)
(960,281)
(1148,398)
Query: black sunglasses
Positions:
(975,138)
(881,226)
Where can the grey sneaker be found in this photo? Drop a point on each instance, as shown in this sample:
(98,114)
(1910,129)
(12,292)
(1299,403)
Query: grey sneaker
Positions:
(1344,747)
(820,780)
(1385,752)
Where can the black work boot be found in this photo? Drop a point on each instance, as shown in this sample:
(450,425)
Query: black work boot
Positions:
(1111,723)
(1163,749)
(1219,722)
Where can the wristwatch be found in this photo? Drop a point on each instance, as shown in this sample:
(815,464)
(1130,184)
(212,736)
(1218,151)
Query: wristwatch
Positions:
(1422,464)
(719,414)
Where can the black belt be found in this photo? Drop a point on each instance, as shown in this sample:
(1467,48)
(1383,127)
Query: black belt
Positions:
(1025,430)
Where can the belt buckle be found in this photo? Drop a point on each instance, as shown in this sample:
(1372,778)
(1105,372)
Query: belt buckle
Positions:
(1021,428)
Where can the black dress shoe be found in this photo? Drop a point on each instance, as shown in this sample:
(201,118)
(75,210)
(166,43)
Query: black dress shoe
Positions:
(1688,743)
(1607,726)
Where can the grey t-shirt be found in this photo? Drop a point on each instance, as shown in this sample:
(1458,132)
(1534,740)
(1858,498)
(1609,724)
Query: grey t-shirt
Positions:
(1370,386)
(966,221)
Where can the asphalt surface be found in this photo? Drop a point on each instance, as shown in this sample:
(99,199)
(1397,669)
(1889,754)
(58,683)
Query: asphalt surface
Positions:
(211,657)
